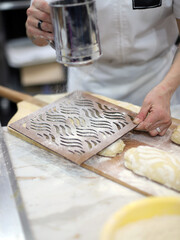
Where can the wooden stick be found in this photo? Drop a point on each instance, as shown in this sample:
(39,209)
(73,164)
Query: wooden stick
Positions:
(101,173)
(16,97)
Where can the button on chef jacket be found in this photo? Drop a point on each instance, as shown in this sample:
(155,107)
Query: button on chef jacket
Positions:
(137,40)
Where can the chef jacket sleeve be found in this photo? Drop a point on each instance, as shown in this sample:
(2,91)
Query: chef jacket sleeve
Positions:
(176,8)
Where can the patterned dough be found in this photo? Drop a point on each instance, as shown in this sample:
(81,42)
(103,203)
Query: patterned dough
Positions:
(155,164)
(113,149)
(175,137)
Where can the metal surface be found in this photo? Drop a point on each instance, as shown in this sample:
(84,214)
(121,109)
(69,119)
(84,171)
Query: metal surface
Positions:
(76,32)
(13,221)
(76,126)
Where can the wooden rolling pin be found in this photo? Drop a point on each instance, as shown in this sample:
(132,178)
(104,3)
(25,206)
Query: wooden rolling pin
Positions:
(16,97)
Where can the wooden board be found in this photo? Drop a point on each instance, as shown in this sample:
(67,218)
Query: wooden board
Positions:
(113,168)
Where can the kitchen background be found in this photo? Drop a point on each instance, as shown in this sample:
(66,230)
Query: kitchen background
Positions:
(23,66)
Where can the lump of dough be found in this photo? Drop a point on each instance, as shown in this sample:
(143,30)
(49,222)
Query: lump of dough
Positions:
(175,137)
(113,149)
(155,164)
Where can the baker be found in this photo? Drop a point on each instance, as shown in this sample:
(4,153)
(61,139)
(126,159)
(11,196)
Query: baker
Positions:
(140,62)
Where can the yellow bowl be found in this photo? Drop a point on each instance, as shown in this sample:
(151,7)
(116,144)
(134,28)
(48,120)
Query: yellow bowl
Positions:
(139,210)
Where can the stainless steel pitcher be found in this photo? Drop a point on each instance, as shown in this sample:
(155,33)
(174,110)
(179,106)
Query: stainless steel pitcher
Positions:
(76,34)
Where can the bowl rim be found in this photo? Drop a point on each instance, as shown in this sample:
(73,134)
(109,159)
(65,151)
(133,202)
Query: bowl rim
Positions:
(132,212)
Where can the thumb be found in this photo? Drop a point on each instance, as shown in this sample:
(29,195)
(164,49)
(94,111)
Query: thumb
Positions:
(140,117)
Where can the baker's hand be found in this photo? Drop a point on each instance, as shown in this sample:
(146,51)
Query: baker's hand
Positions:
(154,116)
(38,24)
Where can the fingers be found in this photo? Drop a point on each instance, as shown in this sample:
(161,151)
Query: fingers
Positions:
(39,15)
(41,5)
(39,10)
(33,22)
(141,116)
(153,118)
(36,33)
(159,130)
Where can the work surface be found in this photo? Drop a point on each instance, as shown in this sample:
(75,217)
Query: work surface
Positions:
(63,200)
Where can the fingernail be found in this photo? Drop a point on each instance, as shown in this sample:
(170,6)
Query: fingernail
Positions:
(136,121)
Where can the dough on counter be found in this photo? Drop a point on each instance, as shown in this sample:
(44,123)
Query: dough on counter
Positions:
(113,149)
(175,137)
(155,164)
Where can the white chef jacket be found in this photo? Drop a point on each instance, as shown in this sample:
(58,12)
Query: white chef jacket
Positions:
(138,48)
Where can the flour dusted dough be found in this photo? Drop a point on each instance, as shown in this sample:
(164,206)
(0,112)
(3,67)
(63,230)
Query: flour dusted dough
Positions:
(175,137)
(113,149)
(155,164)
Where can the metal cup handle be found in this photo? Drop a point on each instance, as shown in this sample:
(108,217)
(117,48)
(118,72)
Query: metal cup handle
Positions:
(52,44)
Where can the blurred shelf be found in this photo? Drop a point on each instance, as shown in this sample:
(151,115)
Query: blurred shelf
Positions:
(12,5)
(22,52)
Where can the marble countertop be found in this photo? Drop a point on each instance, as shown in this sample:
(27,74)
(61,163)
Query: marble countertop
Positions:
(62,200)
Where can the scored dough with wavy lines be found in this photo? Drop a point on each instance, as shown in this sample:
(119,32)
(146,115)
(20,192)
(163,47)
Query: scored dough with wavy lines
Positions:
(175,137)
(155,164)
(112,150)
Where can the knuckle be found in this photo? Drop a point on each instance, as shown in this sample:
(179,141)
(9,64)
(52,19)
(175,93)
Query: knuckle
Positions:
(45,25)
(162,133)
(43,16)
(168,121)
(28,11)
(153,133)
(43,4)
(147,126)
(28,22)
(36,2)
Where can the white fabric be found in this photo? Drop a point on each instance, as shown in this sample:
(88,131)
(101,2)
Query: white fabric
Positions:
(138,49)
